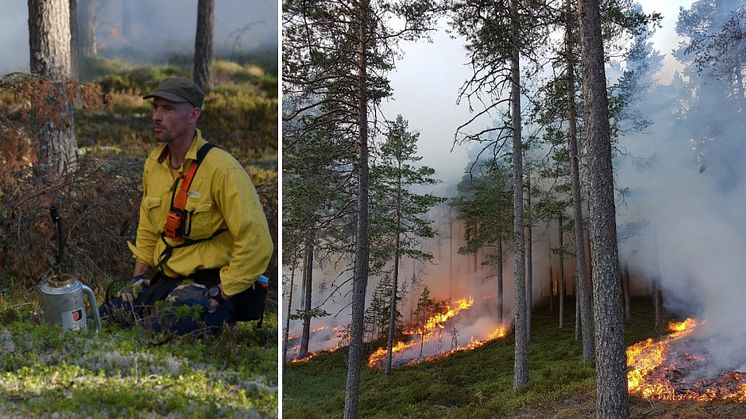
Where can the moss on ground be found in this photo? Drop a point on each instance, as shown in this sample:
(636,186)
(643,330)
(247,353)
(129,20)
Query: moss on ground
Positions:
(133,373)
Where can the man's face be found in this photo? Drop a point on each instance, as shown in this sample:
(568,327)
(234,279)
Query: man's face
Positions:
(172,119)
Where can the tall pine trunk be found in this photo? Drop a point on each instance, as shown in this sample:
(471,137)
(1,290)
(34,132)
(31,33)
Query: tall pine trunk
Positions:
(500,293)
(529,259)
(307,293)
(611,375)
(287,320)
(203,44)
(87,28)
(583,322)
(50,52)
(392,315)
(561,279)
(520,366)
(360,281)
(74,41)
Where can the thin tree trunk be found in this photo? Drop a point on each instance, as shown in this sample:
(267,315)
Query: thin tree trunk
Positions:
(287,320)
(529,259)
(49,46)
(520,367)
(561,279)
(203,44)
(87,28)
(611,374)
(450,255)
(308,289)
(74,41)
(392,316)
(583,323)
(551,283)
(360,282)
(500,296)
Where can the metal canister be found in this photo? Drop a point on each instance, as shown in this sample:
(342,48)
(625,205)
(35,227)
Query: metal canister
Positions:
(62,302)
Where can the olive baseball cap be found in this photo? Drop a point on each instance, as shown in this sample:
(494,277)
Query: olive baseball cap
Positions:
(178,89)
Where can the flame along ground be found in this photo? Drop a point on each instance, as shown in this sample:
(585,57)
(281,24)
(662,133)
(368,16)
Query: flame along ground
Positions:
(651,365)
(431,331)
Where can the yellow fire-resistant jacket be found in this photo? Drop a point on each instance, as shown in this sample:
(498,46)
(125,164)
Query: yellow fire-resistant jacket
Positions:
(221,196)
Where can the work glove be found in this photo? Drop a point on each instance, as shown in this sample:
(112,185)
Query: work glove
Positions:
(130,291)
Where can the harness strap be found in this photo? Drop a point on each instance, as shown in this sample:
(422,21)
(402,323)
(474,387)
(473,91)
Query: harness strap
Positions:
(169,250)
(178,200)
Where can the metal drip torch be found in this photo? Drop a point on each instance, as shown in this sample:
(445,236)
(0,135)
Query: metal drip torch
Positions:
(62,295)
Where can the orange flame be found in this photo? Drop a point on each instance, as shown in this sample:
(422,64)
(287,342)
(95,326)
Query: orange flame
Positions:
(649,356)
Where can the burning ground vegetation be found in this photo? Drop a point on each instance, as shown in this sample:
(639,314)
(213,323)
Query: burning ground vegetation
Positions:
(438,336)
(672,368)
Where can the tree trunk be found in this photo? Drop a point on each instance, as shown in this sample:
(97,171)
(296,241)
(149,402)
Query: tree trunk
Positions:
(561,279)
(520,366)
(529,259)
(625,297)
(611,374)
(203,44)
(87,28)
(289,292)
(74,41)
(49,42)
(583,323)
(360,281)
(627,303)
(450,255)
(308,289)
(551,283)
(500,281)
(392,315)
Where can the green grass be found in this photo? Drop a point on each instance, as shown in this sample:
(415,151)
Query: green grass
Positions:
(472,384)
(130,373)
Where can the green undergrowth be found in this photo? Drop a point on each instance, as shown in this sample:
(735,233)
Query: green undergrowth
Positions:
(472,384)
(134,373)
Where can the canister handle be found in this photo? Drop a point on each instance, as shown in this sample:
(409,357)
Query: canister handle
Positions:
(94,306)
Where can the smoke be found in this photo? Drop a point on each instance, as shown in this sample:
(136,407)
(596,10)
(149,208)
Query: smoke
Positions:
(684,210)
(152,30)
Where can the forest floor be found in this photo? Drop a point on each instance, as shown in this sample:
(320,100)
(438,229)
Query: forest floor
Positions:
(478,383)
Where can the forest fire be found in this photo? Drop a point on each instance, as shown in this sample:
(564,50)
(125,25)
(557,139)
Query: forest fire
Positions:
(663,370)
(331,337)
(428,339)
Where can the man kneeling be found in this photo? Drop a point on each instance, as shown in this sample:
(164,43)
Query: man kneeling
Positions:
(202,238)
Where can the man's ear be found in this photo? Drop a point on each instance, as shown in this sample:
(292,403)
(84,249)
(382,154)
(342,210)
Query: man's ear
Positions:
(194,115)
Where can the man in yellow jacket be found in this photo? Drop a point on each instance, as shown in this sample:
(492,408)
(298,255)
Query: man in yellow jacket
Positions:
(202,237)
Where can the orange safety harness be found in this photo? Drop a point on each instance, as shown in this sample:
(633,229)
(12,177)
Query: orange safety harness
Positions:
(175,228)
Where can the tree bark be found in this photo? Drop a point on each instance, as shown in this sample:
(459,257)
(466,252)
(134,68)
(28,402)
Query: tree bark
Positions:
(392,315)
(627,302)
(500,293)
(74,41)
(203,44)
(583,323)
(520,366)
(307,289)
(87,28)
(360,281)
(561,279)
(611,375)
(49,46)
(529,259)
(287,320)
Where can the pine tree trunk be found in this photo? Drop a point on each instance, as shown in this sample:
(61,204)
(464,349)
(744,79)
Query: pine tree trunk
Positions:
(561,279)
(74,41)
(520,367)
(611,375)
(551,283)
(308,289)
(392,315)
(87,28)
(360,281)
(49,43)
(583,322)
(500,296)
(529,259)
(289,292)
(203,44)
